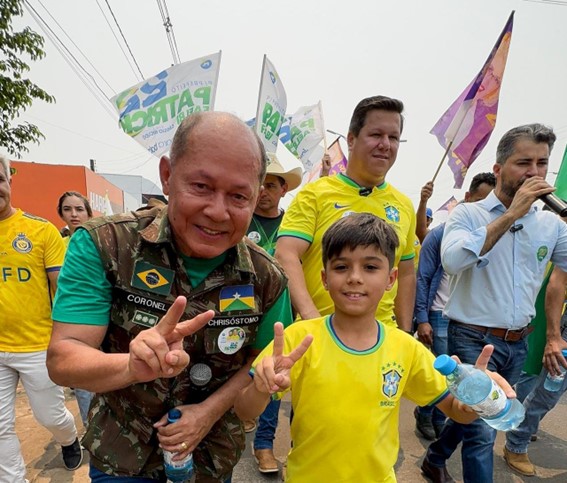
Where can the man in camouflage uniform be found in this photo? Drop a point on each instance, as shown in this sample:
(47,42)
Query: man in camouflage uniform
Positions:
(128,280)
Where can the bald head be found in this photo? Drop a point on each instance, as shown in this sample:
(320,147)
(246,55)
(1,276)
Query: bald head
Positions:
(222,126)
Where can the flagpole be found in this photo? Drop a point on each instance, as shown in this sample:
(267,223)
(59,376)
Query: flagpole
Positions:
(216,83)
(442,161)
(258,118)
(323,126)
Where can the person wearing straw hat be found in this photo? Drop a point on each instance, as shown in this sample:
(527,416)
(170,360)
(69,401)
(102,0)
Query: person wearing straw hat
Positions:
(263,231)
(268,215)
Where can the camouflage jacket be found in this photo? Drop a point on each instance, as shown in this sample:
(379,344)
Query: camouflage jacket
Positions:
(147,274)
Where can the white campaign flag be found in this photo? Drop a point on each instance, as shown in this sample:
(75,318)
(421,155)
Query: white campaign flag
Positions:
(107,211)
(272,103)
(151,110)
(302,132)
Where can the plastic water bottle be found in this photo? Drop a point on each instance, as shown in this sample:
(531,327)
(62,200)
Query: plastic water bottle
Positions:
(476,389)
(179,471)
(554,383)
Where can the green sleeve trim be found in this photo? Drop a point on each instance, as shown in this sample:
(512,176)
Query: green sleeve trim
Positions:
(296,234)
(407,257)
(279,312)
(440,398)
(84,295)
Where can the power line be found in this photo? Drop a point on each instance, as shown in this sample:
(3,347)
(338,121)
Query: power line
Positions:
(139,165)
(131,155)
(52,34)
(172,32)
(84,76)
(76,46)
(124,38)
(551,2)
(118,41)
(169,31)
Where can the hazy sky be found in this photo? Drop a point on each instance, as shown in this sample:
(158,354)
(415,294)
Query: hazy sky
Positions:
(422,52)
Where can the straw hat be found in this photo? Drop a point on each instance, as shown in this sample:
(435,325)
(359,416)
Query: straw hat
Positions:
(291,177)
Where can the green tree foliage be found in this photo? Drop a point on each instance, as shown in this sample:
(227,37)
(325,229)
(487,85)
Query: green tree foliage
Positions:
(17,92)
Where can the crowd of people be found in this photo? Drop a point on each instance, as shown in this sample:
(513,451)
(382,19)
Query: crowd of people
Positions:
(219,302)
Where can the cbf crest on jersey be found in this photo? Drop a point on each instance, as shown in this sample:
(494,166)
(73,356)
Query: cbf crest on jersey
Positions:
(22,244)
(392,213)
(391,377)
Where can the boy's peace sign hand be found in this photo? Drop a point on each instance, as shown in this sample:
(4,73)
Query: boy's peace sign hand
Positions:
(272,373)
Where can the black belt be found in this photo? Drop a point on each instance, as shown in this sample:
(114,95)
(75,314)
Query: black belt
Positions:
(507,335)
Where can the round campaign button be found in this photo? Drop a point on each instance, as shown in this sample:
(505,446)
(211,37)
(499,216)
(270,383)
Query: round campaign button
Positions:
(254,236)
(231,340)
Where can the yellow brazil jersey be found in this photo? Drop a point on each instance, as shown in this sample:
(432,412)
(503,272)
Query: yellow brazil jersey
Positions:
(346,403)
(29,248)
(320,203)
(417,249)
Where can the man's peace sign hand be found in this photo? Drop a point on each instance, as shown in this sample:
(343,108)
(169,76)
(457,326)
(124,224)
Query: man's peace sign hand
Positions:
(272,373)
(158,352)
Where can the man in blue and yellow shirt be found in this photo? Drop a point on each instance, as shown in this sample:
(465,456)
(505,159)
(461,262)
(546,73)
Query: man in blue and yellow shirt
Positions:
(31,254)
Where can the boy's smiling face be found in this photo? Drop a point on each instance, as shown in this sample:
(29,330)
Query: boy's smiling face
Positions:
(357,279)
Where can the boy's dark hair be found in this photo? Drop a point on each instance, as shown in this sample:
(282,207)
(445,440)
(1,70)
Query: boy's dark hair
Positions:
(480,178)
(360,230)
(381,103)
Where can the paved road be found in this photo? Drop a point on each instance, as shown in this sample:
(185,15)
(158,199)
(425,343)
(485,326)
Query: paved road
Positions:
(44,462)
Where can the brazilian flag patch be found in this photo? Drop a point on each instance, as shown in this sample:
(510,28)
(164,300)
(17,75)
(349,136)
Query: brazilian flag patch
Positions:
(237,297)
(152,279)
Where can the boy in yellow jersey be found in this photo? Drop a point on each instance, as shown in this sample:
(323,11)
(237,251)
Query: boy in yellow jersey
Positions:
(347,371)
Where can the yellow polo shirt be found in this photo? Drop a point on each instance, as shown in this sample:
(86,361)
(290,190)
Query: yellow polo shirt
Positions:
(320,203)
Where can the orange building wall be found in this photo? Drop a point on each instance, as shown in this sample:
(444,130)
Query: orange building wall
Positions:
(36,188)
(97,188)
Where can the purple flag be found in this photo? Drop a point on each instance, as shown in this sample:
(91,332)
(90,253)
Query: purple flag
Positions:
(470,120)
(448,205)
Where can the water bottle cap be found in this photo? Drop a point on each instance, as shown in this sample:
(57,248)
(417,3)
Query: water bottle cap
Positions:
(173,415)
(564,352)
(444,364)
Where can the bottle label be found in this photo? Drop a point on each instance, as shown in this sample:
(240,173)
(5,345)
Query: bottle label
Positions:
(184,464)
(494,403)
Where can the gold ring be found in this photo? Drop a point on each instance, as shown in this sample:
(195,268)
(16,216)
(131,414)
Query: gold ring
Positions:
(184,446)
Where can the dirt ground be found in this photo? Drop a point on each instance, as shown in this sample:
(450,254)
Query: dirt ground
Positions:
(44,463)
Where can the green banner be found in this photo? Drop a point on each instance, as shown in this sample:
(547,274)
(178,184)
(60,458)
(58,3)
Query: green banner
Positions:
(561,180)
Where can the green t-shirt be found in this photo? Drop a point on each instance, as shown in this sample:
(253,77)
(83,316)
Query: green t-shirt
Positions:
(263,231)
(198,269)
(84,294)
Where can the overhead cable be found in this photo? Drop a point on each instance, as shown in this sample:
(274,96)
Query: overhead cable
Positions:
(87,79)
(124,39)
(169,31)
(76,46)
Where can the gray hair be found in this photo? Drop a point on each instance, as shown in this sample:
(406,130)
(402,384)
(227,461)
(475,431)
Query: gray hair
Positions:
(181,140)
(5,162)
(538,133)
